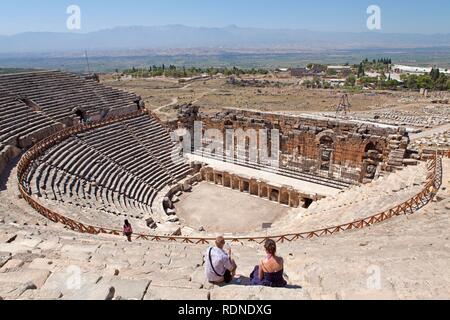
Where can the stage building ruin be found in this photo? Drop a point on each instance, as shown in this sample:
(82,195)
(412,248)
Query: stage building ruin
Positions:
(337,150)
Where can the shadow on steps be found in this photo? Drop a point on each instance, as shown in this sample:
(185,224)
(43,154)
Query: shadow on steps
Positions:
(6,173)
(246,282)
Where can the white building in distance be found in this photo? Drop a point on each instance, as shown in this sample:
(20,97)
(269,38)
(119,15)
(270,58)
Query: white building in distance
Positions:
(339,67)
(398,68)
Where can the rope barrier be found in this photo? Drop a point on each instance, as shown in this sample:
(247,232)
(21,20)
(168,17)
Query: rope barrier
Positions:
(410,206)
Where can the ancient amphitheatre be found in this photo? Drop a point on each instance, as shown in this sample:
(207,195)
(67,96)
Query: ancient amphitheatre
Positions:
(358,204)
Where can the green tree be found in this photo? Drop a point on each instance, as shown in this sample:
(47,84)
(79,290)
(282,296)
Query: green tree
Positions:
(307,84)
(316,82)
(441,83)
(424,82)
(434,74)
(331,72)
(351,81)
(361,72)
(411,82)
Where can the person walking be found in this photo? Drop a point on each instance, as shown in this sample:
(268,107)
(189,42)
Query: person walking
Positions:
(127,230)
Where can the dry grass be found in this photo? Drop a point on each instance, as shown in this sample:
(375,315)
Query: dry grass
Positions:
(213,95)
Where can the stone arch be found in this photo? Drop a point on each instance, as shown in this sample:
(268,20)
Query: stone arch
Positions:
(219,178)
(325,141)
(274,195)
(245,186)
(228,123)
(372,144)
(372,156)
(326,137)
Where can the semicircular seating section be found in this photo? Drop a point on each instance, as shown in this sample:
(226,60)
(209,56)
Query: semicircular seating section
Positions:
(110,172)
(34,105)
(20,127)
(57,93)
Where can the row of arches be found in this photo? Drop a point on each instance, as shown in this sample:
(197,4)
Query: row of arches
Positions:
(283,195)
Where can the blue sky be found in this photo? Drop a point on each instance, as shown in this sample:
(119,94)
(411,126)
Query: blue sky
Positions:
(411,16)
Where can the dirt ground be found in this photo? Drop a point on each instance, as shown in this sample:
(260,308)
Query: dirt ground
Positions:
(162,94)
(226,210)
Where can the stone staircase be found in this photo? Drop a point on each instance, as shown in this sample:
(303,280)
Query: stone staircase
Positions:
(357,202)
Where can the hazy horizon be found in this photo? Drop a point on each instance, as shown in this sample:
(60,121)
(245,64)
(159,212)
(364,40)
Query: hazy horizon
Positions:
(399,16)
(223,27)
(221,32)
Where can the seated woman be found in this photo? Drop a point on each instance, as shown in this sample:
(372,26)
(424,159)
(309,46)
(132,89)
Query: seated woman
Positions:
(270,271)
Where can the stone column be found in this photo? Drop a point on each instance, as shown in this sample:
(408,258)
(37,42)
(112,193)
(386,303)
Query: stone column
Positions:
(209,174)
(289,198)
(259,188)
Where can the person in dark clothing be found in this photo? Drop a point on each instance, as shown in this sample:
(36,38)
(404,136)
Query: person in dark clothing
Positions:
(127,230)
(270,271)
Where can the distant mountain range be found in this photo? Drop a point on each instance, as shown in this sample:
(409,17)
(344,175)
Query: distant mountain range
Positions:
(232,38)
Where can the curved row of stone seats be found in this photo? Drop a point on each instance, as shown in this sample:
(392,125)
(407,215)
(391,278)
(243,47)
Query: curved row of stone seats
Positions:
(116,170)
(409,256)
(160,148)
(123,150)
(20,126)
(58,93)
(35,105)
(58,185)
(358,202)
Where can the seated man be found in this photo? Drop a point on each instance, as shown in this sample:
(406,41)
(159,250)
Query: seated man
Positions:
(220,267)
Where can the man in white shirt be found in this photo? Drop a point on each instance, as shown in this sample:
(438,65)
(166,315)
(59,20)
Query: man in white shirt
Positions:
(219,265)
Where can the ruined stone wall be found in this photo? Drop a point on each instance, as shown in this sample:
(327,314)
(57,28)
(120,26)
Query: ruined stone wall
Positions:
(284,195)
(327,147)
